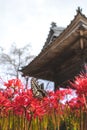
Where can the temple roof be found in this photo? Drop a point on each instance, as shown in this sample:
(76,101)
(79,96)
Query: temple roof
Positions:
(64,57)
(54,32)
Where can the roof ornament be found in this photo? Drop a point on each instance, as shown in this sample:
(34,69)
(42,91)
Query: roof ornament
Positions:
(79,10)
(53,24)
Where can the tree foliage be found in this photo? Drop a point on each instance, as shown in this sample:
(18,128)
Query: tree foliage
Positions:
(14,59)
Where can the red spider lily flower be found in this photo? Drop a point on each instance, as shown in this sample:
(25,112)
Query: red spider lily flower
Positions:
(9,94)
(76,103)
(39,111)
(80,84)
(14,83)
(5,105)
(47,104)
(22,102)
(37,108)
(61,94)
(26,104)
(27,92)
(52,102)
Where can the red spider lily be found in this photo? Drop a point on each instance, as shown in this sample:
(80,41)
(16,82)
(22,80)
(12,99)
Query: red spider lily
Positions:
(28,105)
(38,108)
(18,101)
(53,101)
(14,83)
(56,98)
(21,103)
(80,84)
(76,103)
(61,94)
(12,88)
(9,93)
(5,105)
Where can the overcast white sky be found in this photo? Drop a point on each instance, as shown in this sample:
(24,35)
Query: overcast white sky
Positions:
(28,21)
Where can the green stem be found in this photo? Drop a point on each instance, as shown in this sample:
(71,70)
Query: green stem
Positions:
(13,125)
(9,121)
(30,122)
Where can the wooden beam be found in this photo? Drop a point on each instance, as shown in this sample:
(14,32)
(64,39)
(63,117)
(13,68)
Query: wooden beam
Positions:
(81,39)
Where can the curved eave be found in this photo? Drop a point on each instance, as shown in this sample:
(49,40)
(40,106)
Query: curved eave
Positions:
(66,39)
(49,54)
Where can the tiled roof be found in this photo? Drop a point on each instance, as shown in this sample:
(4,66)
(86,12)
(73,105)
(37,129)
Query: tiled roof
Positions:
(53,34)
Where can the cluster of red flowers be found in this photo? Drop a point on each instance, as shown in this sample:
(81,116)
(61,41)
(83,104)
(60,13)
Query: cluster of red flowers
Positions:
(21,101)
(80,87)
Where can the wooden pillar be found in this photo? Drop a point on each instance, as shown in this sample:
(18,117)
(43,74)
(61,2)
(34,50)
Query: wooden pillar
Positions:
(82,47)
(81,40)
(56,85)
